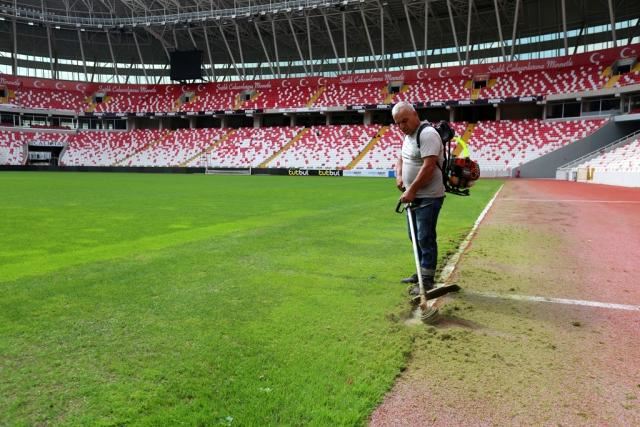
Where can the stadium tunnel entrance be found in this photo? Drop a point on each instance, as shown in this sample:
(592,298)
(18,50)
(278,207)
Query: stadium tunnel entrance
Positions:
(44,155)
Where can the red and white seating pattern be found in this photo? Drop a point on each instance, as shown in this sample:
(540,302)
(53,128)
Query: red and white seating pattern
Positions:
(106,148)
(49,99)
(281,97)
(630,78)
(11,148)
(175,148)
(506,144)
(569,80)
(327,147)
(624,158)
(384,154)
(209,100)
(435,90)
(351,94)
(564,80)
(12,143)
(11,151)
(249,147)
(140,102)
(498,146)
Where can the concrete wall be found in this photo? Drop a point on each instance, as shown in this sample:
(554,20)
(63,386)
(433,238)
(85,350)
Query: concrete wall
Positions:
(545,166)
(625,179)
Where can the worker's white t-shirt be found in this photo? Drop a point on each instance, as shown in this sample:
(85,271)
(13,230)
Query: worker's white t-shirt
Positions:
(412,161)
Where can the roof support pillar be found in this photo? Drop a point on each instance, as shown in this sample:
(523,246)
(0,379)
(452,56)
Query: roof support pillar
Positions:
(295,39)
(309,44)
(426,33)
(344,36)
(413,39)
(382,58)
(84,62)
(275,47)
(515,27)
(113,58)
(51,61)
(14,53)
(212,72)
(226,43)
(144,69)
(333,44)
(613,24)
(244,69)
(264,48)
(453,30)
(564,27)
(366,30)
(495,4)
(466,59)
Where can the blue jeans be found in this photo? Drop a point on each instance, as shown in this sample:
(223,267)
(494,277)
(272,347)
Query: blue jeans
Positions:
(425,218)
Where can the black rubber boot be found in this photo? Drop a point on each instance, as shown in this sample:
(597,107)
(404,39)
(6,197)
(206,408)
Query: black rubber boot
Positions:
(411,279)
(427,282)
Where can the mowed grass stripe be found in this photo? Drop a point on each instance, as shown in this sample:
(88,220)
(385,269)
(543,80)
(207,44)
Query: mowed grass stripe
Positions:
(291,320)
(34,265)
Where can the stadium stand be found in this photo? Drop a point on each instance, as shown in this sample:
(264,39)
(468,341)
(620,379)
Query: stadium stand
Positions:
(107,148)
(249,147)
(624,158)
(282,97)
(327,147)
(503,145)
(13,143)
(498,146)
(435,90)
(11,148)
(287,93)
(566,80)
(45,99)
(175,148)
(351,94)
(384,154)
(210,99)
(138,102)
(630,78)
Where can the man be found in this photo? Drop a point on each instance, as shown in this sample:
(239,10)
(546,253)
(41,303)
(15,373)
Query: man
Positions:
(419,177)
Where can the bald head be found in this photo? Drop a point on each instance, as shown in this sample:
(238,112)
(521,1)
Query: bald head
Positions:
(406,117)
(402,106)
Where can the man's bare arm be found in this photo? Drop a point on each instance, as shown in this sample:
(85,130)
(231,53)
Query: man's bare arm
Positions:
(399,182)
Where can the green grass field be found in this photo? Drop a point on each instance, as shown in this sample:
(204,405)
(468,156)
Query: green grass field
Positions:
(145,299)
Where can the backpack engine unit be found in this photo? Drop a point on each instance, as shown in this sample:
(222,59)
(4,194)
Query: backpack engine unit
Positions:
(458,173)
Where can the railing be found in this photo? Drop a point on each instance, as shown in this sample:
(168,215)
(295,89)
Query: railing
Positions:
(158,16)
(600,151)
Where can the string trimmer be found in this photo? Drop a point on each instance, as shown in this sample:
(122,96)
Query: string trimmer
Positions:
(427,312)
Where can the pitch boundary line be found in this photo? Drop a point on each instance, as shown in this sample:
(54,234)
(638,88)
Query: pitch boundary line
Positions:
(565,301)
(452,262)
(515,199)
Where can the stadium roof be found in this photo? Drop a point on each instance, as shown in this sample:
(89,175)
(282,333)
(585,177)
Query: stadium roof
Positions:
(248,38)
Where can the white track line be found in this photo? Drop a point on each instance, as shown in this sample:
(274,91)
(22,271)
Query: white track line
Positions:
(559,301)
(570,201)
(453,261)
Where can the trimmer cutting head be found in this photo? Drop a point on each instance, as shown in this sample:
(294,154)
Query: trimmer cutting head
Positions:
(427,309)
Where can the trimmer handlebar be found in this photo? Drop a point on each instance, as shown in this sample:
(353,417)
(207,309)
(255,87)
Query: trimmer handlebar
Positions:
(400,208)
